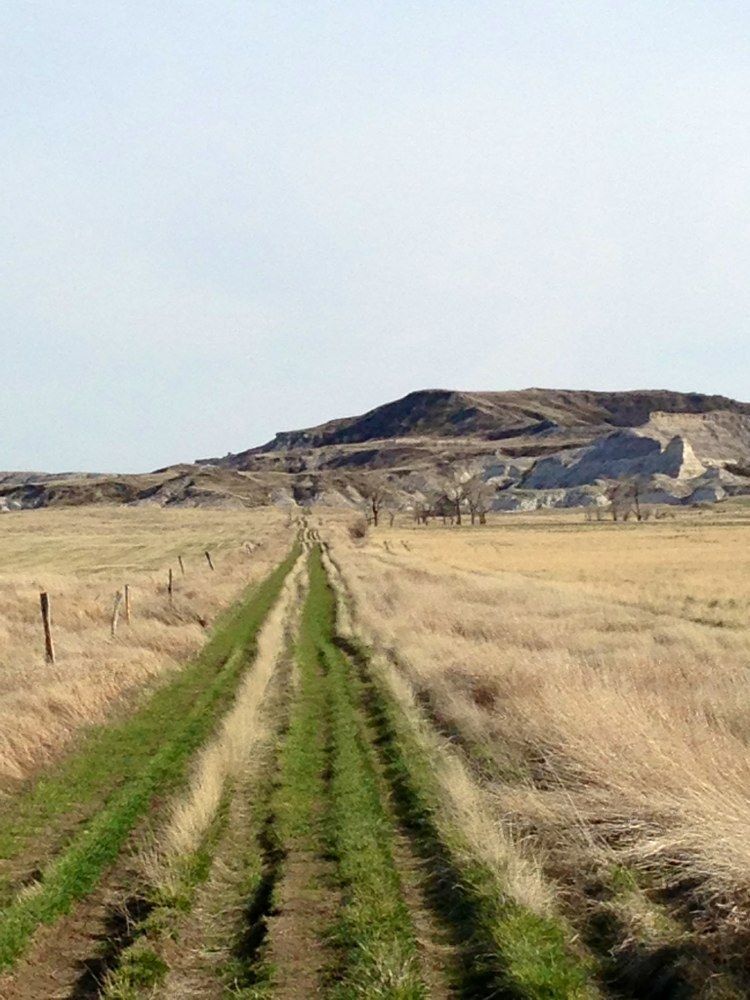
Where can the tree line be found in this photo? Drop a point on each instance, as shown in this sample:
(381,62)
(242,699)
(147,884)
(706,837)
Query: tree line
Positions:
(459,492)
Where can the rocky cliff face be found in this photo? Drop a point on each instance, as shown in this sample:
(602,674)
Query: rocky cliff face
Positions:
(718,437)
(616,456)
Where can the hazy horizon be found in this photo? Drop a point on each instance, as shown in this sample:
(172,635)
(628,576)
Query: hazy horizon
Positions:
(220,224)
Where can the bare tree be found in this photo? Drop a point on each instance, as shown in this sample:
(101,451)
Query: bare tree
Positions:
(636,490)
(375,492)
(624,497)
(425,506)
(478,495)
(421,511)
(396,506)
(617,506)
(454,481)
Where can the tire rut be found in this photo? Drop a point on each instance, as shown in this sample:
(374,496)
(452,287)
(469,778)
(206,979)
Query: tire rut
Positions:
(69,960)
(439,948)
(306,902)
(204,945)
(306,906)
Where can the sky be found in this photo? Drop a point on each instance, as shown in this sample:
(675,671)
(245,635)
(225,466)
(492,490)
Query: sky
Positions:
(221,220)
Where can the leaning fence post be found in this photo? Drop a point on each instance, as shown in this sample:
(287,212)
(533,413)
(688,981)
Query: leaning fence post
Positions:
(116,612)
(49,646)
(127,603)
(170,587)
(182,565)
(208,559)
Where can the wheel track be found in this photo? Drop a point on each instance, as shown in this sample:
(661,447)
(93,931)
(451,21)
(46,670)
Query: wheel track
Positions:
(438,940)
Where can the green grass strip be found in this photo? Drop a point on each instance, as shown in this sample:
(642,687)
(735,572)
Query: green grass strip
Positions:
(75,873)
(245,973)
(508,949)
(375,927)
(300,798)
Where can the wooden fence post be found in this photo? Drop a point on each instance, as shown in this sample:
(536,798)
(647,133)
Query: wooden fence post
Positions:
(49,646)
(170,587)
(208,559)
(116,612)
(127,603)
(182,565)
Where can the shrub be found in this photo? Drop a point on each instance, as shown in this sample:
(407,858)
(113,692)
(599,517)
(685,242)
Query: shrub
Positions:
(358,530)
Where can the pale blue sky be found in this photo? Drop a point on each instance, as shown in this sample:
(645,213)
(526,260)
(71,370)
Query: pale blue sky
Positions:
(223,219)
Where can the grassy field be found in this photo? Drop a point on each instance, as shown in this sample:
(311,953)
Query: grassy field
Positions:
(688,564)
(597,679)
(82,557)
(435,762)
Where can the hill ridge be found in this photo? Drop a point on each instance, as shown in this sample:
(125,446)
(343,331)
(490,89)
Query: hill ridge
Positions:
(530,447)
(490,415)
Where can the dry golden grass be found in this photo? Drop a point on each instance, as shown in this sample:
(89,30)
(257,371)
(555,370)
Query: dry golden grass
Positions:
(82,556)
(602,670)
(684,565)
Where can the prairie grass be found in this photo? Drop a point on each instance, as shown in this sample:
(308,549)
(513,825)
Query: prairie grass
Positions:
(82,557)
(685,565)
(75,870)
(599,673)
(494,893)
